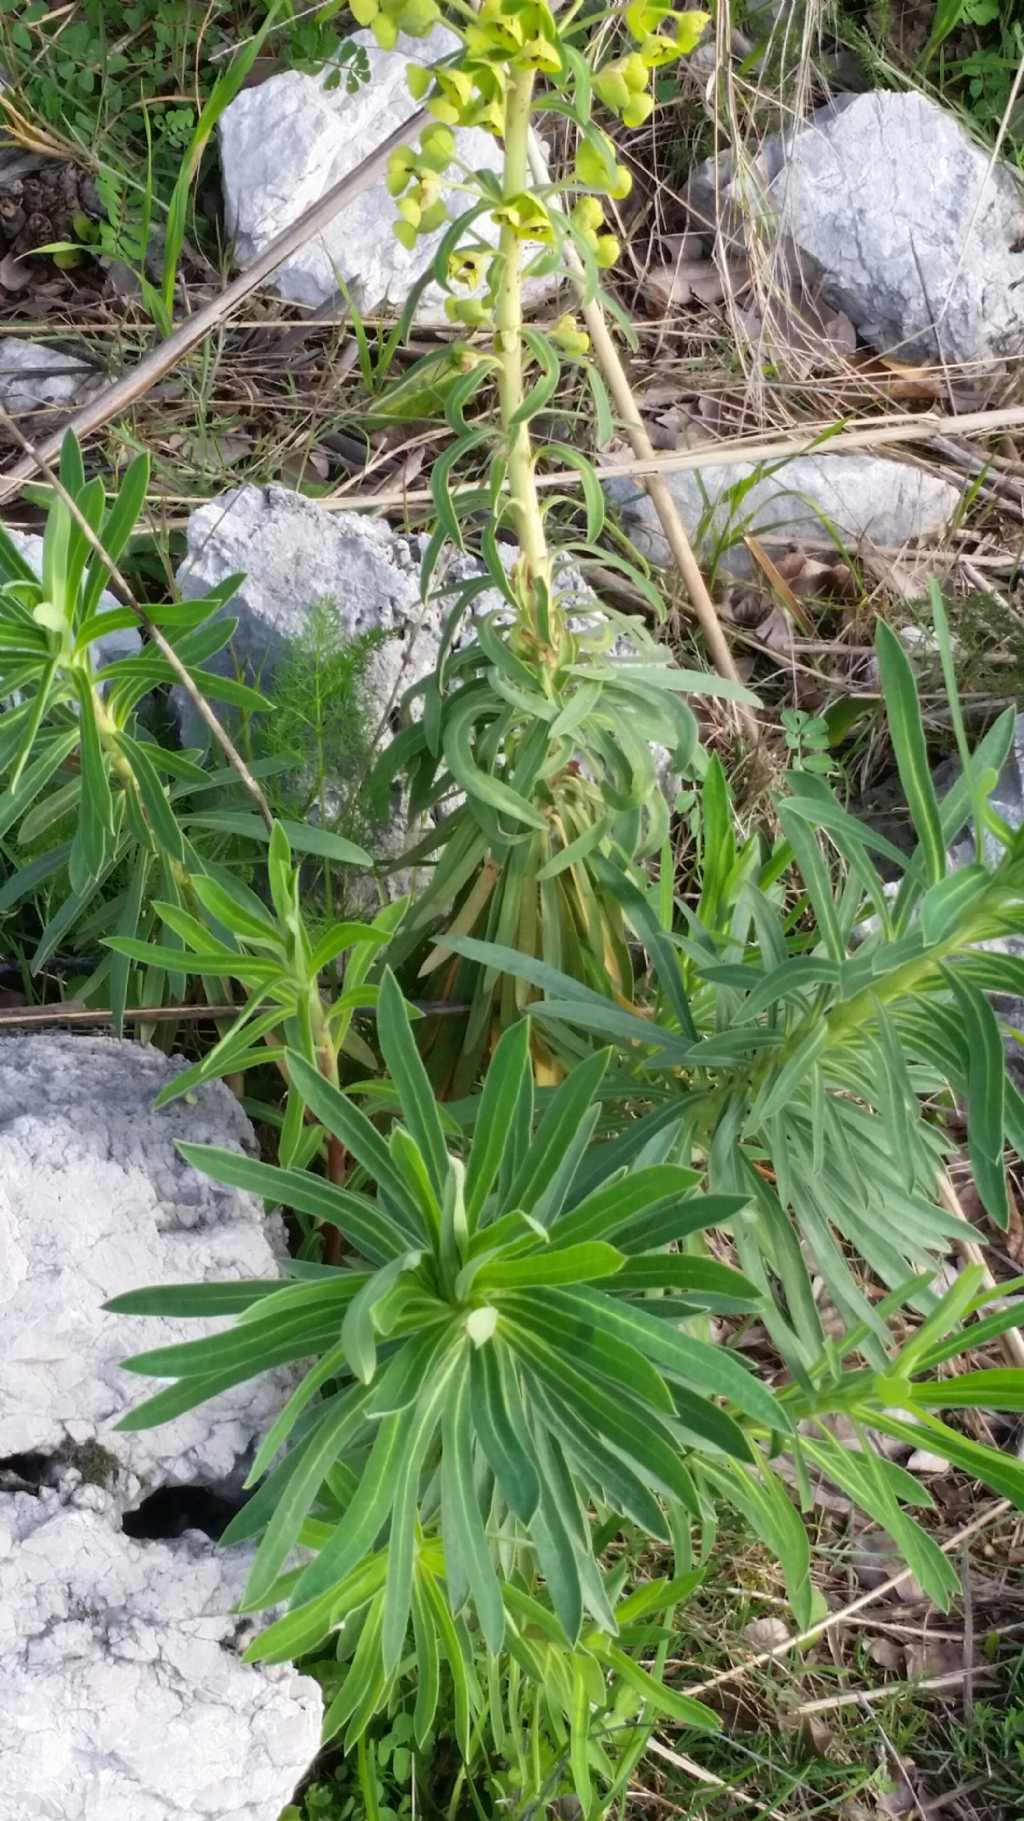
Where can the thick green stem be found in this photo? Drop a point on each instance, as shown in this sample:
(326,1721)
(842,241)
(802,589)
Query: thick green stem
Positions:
(509,341)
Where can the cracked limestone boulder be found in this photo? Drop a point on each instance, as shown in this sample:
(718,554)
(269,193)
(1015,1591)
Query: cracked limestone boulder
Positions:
(906,224)
(95,1199)
(295,555)
(285,142)
(919,235)
(123,1696)
(829,502)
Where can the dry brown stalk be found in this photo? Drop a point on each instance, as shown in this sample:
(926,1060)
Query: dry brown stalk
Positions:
(625,403)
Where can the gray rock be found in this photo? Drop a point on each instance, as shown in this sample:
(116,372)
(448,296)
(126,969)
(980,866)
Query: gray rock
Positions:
(35,377)
(294,555)
(95,1200)
(122,1693)
(124,643)
(819,501)
(285,142)
(918,239)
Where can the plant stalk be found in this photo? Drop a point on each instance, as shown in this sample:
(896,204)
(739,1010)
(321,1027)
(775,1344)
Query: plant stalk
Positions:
(529,523)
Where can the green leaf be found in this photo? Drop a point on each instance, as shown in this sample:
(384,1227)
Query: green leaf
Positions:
(35,777)
(340,1116)
(428,1411)
(943,907)
(376,1234)
(462,1523)
(464,712)
(239,910)
(552,1317)
(501,1091)
(616,1205)
(623,1424)
(358,1335)
(986,1076)
(646,926)
(713,1371)
(681,1708)
(993,1468)
(708,1282)
(612,1479)
(570,1265)
(355,1534)
(415,1094)
(154,799)
(428,1666)
(990,1388)
(560,1121)
(500,1425)
(339,1424)
(907,731)
(816,880)
(304,837)
(183,1300)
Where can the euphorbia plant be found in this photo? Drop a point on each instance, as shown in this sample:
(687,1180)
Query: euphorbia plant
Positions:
(503,1378)
(538,719)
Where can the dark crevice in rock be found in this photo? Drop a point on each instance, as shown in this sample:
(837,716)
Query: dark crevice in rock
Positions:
(172,1510)
(26,1472)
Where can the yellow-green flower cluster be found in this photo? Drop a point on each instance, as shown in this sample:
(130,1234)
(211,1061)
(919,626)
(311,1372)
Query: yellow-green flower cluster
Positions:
(470,267)
(588,219)
(598,168)
(414,180)
(568,336)
(505,35)
(662,35)
(386,18)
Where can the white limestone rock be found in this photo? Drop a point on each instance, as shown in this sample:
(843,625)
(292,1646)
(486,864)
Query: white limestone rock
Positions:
(294,555)
(285,142)
(123,1696)
(96,1200)
(35,377)
(921,238)
(819,501)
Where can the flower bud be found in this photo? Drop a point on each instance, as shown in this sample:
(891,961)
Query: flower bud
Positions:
(567,334)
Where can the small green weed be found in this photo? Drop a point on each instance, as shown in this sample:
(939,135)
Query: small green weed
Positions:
(809,740)
(323,721)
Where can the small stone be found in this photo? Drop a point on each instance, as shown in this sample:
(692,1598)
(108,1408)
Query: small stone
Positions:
(813,500)
(95,1200)
(34,376)
(918,235)
(886,1652)
(288,140)
(767,1633)
(122,1690)
(922,1461)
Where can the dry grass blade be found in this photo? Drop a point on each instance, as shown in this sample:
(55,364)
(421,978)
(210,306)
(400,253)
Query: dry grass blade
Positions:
(41,1017)
(799,1639)
(923,1685)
